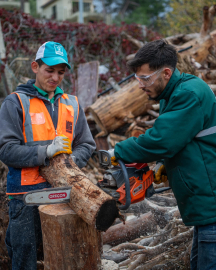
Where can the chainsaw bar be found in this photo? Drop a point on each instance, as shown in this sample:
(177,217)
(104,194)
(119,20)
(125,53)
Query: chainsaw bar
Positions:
(47,196)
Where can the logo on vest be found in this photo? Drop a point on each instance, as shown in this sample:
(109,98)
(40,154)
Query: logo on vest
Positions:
(59,50)
(68,126)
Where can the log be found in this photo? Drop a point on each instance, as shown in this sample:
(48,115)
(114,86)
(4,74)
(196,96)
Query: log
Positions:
(137,131)
(209,76)
(113,111)
(87,200)
(180,39)
(133,228)
(113,139)
(200,54)
(69,243)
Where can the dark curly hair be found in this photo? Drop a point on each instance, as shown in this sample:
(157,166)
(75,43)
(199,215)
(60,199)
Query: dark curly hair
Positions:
(157,54)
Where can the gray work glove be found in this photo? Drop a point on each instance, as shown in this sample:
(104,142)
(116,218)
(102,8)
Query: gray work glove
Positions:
(61,144)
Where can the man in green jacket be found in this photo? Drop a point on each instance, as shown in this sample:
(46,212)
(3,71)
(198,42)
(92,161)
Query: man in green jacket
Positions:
(184,137)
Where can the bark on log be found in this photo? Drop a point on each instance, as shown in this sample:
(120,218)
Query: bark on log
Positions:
(91,203)
(113,111)
(133,228)
(69,242)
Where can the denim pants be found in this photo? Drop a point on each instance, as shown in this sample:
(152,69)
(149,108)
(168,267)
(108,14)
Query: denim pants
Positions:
(203,252)
(23,235)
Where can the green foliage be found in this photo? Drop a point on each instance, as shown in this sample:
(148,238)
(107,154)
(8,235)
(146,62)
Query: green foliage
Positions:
(138,11)
(147,13)
(185,17)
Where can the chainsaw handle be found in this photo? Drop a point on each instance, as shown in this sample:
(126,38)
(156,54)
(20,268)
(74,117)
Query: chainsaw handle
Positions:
(127,186)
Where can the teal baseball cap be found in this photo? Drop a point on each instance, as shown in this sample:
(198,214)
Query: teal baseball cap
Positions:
(52,53)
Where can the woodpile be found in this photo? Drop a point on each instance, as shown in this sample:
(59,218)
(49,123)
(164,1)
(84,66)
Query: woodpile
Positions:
(155,237)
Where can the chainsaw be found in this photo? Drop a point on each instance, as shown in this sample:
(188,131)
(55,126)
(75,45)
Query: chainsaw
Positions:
(126,183)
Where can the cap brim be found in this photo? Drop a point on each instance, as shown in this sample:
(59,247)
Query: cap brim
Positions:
(52,61)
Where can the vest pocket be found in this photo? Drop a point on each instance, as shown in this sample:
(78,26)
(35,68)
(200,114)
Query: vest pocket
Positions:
(37,118)
(30,176)
(180,188)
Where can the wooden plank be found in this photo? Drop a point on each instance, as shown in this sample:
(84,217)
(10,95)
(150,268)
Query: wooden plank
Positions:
(101,143)
(87,83)
(2,45)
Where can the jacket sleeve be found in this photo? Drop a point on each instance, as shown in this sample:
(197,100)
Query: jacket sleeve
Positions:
(173,130)
(13,152)
(83,143)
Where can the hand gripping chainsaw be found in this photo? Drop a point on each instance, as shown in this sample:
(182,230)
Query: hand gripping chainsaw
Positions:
(126,183)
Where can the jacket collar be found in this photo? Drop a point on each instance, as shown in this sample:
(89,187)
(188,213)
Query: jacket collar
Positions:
(170,86)
(30,90)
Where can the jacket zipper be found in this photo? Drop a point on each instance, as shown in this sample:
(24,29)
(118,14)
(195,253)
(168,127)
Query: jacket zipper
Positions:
(53,111)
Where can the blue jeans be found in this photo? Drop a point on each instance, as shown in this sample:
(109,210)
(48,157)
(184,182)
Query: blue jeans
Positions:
(23,235)
(203,252)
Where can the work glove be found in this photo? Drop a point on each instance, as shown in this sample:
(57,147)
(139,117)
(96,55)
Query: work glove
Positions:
(159,173)
(61,144)
(113,158)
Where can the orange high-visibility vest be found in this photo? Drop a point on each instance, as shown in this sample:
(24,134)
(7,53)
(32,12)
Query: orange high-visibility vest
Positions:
(38,127)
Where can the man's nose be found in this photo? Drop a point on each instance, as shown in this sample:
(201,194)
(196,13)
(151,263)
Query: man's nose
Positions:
(55,76)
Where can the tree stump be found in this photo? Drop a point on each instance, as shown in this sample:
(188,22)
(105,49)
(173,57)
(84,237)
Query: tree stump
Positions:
(69,242)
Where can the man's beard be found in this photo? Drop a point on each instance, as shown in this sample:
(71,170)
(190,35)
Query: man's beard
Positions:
(158,89)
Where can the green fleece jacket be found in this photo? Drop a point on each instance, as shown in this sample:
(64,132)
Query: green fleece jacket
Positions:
(187,106)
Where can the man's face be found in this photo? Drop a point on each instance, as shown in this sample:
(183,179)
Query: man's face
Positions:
(48,77)
(158,80)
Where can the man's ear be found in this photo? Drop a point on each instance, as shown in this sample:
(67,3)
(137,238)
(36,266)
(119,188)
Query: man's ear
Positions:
(167,73)
(35,67)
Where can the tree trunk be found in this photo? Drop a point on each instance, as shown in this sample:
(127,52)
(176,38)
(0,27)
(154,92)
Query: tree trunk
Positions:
(113,111)
(87,200)
(69,243)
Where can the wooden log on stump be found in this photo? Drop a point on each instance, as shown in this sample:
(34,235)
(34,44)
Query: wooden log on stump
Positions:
(113,111)
(69,242)
(91,203)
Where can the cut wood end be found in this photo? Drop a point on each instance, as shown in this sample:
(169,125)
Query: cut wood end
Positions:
(56,209)
(107,215)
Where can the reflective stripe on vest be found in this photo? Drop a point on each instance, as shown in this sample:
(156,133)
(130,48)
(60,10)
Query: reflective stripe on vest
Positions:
(206,132)
(38,128)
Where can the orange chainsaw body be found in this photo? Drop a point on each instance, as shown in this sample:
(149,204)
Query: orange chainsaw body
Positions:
(138,187)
